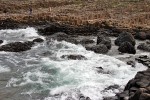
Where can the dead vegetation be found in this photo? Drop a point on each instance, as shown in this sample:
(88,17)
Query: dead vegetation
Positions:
(124,13)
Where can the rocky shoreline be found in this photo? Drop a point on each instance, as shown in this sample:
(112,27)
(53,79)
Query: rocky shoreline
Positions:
(136,89)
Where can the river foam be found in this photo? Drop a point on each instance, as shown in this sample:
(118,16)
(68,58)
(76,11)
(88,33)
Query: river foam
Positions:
(42,70)
(72,78)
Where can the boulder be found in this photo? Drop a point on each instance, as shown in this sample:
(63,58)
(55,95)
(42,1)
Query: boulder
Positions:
(74,57)
(127,47)
(1,41)
(101,39)
(125,37)
(140,35)
(17,46)
(144,46)
(38,40)
(101,48)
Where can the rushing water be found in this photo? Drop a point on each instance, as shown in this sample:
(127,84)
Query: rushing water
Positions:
(41,70)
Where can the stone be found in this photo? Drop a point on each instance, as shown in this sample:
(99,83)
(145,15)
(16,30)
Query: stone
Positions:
(38,40)
(17,46)
(60,36)
(125,37)
(74,57)
(144,47)
(101,48)
(101,39)
(86,41)
(132,63)
(140,35)
(1,41)
(127,47)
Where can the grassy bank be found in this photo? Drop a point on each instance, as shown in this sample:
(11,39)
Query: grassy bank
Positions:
(121,13)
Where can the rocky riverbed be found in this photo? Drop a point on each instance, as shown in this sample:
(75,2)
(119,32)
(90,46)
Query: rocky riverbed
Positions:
(63,63)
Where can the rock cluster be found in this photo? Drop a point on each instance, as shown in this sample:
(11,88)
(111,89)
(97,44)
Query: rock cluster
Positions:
(138,88)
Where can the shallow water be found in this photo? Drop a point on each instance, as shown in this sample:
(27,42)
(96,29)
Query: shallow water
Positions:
(41,73)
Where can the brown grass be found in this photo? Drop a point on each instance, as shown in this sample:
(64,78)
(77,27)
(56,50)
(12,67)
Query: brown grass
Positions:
(124,13)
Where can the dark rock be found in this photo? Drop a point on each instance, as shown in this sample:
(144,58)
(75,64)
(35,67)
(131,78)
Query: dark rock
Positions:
(86,41)
(132,63)
(17,46)
(74,57)
(123,96)
(112,87)
(101,48)
(60,36)
(111,98)
(1,41)
(8,24)
(144,46)
(56,27)
(125,37)
(140,35)
(101,39)
(38,40)
(141,94)
(139,87)
(127,47)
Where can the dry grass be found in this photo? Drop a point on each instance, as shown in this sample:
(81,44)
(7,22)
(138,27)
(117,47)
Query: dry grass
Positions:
(126,13)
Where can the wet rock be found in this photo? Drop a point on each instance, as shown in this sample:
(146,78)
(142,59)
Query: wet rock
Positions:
(141,94)
(139,87)
(8,24)
(127,47)
(74,57)
(123,96)
(125,37)
(60,36)
(112,87)
(132,63)
(17,46)
(101,48)
(1,41)
(101,39)
(38,40)
(144,59)
(86,41)
(144,46)
(111,98)
(56,27)
(140,35)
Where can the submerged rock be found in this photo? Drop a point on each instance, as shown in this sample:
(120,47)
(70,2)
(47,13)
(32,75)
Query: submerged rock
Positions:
(74,57)
(125,37)
(101,39)
(101,48)
(86,41)
(127,47)
(144,46)
(60,36)
(144,59)
(17,46)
